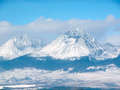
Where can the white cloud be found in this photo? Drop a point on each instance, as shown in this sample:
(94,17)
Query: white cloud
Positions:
(4,27)
(49,29)
(65,78)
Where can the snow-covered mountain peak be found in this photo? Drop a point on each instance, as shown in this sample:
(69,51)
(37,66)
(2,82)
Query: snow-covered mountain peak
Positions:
(75,33)
(18,46)
(72,44)
(79,34)
(20,42)
(75,44)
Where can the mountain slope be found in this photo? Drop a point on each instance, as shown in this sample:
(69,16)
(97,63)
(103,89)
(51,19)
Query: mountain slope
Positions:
(18,46)
(111,51)
(75,44)
(72,44)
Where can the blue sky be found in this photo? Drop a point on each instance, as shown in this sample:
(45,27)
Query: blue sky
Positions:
(47,19)
(19,12)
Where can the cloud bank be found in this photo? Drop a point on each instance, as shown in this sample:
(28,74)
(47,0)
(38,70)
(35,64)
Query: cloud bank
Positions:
(45,78)
(48,29)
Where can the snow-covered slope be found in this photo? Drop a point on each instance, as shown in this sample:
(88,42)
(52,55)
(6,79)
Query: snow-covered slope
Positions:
(76,43)
(18,46)
(72,44)
(112,50)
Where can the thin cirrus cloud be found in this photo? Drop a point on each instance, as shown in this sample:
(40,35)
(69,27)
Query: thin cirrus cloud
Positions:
(49,29)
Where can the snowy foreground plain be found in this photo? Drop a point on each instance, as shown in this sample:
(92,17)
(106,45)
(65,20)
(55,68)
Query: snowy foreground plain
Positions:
(74,60)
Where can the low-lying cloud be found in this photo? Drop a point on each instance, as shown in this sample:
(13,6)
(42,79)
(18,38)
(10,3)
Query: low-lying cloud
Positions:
(45,78)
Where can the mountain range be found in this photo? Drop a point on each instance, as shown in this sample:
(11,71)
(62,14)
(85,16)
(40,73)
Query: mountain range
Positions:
(70,45)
